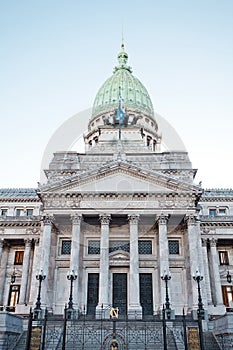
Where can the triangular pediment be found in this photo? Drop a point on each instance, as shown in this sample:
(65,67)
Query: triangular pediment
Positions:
(120,177)
(119,255)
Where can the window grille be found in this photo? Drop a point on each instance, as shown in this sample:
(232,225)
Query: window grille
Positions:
(66,247)
(119,245)
(93,247)
(173,247)
(145,247)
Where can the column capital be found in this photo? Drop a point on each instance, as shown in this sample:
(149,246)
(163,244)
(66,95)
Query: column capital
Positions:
(2,242)
(204,242)
(192,219)
(28,242)
(133,218)
(105,219)
(213,242)
(76,218)
(48,219)
(162,219)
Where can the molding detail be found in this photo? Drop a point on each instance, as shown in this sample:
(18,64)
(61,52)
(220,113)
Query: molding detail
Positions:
(213,242)
(162,219)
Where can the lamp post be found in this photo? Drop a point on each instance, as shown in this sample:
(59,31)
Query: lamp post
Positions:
(166,277)
(71,276)
(200,311)
(40,277)
(228,277)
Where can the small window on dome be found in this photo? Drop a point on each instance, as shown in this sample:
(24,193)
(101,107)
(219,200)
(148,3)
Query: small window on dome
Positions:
(147,120)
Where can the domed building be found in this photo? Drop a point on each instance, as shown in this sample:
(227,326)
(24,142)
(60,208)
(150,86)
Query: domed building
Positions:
(119,232)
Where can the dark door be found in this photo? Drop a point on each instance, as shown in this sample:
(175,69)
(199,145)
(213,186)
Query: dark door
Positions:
(92,293)
(120,292)
(146,296)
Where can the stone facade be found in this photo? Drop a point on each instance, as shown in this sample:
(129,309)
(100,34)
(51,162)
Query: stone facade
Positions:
(121,215)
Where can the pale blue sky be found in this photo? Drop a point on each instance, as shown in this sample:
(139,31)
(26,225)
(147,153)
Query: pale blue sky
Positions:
(56,54)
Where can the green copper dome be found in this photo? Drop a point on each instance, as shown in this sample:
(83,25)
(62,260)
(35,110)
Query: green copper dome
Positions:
(133,92)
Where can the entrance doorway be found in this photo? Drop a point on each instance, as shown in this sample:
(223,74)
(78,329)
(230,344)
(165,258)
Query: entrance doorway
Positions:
(146,296)
(92,293)
(13,297)
(120,292)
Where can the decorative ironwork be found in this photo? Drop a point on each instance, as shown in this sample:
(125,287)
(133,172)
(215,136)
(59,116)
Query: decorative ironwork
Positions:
(66,247)
(173,246)
(145,247)
(94,247)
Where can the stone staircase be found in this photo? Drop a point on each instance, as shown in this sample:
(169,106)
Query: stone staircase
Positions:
(210,342)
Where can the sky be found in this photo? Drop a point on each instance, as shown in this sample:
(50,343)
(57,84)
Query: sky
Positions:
(56,54)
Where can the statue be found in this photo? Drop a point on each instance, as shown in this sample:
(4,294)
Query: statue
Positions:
(106,120)
(114,345)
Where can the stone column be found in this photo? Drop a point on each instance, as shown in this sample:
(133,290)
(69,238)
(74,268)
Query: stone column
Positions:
(215,271)
(45,256)
(5,255)
(163,253)
(1,248)
(206,271)
(25,272)
(75,252)
(135,309)
(194,254)
(104,264)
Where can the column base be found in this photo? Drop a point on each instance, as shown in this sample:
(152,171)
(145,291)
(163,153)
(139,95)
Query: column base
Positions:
(102,311)
(135,312)
(217,310)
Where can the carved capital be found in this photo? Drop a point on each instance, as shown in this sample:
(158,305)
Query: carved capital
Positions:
(48,219)
(76,218)
(204,242)
(192,219)
(162,219)
(133,219)
(28,242)
(213,242)
(2,242)
(105,219)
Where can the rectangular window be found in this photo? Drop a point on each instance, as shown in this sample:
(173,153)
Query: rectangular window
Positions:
(13,297)
(227,292)
(29,212)
(118,245)
(19,257)
(173,247)
(66,247)
(93,247)
(4,212)
(212,212)
(145,247)
(19,212)
(222,211)
(223,258)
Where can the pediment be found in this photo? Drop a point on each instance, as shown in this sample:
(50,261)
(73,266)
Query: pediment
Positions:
(119,255)
(119,177)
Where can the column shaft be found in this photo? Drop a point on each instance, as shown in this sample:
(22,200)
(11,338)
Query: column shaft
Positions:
(75,253)
(104,263)
(25,272)
(206,271)
(163,254)
(45,255)
(215,270)
(5,256)
(1,248)
(135,309)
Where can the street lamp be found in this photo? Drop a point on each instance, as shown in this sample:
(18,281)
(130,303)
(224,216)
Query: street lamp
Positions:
(71,276)
(228,277)
(13,276)
(40,277)
(200,311)
(166,277)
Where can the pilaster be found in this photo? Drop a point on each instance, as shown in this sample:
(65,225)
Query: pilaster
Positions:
(206,271)
(25,272)
(215,271)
